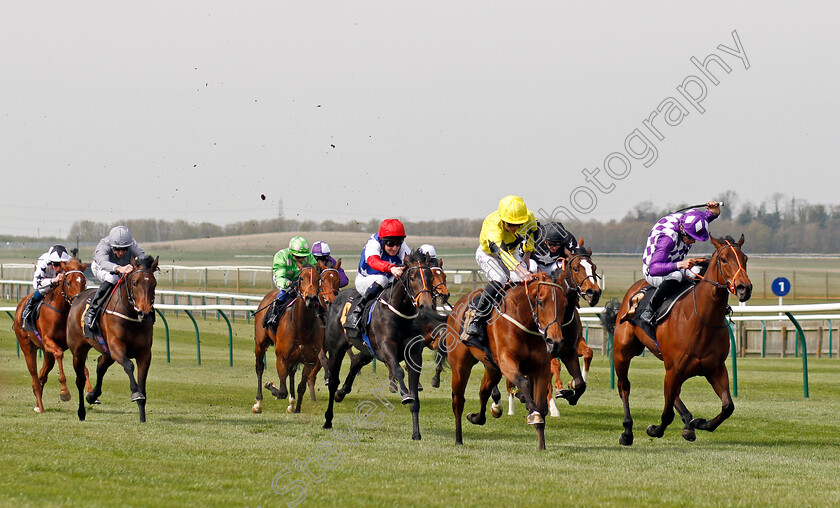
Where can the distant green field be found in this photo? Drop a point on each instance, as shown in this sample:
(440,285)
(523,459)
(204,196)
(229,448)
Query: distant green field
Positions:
(202,446)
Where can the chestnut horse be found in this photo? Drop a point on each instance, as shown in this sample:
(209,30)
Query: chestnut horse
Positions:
(390,333)
(692,340)
(51,326)
(127,326)
(299,337)
(532,312)
(576,272)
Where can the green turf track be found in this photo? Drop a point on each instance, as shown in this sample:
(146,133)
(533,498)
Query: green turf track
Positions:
(202,446)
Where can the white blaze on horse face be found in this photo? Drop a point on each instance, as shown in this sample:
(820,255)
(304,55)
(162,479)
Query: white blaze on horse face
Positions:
(588,267)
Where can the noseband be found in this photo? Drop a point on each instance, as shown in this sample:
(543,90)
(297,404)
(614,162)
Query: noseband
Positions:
(569,280)
(535,316)
(426,285)
(130,292)
(321,293)
(729,284)
(64,282)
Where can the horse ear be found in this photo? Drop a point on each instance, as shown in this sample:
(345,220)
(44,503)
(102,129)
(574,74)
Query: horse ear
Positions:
(716,242)
(589,252)
(440,263)
(580,241)
(84,265)
(155,264)
(338,264)
(741,240)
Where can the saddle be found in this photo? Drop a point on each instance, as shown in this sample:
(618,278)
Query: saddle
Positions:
(29,324)
(641,300)
(364,324)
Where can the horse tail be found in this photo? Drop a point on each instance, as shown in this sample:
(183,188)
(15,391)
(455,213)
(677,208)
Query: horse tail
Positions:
(608,316)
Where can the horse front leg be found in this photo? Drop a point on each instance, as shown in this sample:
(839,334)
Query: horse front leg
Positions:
(625,348)
(688,431)
(279,392)
(334,367)
(259,367)
(307,378)
(720,383)
(586,352)
(102,363)
(541,385)
(79,358)
(144,360)
(461,362)
(673,385)
(414,364)
(577,383)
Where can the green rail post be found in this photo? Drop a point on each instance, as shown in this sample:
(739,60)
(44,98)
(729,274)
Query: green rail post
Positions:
(830,332)
(801,336)
(197,340)
(230,335)
(586,334)
(218,302)
(734,361)
(612,360)
(204,302)
(166,326)
(176,303)
(763,338)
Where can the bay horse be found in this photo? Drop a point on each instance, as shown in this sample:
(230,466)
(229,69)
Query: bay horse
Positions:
(299,337)
(576,273)
(127,328)
(692,340)
(517,331)
(51,326)
(390,333)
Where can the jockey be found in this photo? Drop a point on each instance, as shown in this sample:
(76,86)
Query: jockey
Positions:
(286,268)
(382,260)
(111,260)
(321,252)
(663,263)
(555,240)
(47,270)
(431,252)
(498,257)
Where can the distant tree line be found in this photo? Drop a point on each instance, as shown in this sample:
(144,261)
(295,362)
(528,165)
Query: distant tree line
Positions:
(779,224)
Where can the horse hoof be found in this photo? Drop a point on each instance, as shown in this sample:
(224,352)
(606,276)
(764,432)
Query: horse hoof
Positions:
(476,418)
(698,423)
(653,431)
(415,437)
(64,396)
(37,410)
(290,409)
(496,411)
(689,435)
(534,418)
(338,397)
(90,398)
(96,402)
(408,398)
(137,396)
(256,408)
(435,382)
(625,439)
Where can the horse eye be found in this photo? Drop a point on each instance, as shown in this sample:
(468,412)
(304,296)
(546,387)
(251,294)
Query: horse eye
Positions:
(723,260)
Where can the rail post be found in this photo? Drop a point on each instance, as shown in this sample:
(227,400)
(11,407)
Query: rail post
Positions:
(197,340)
(763,338)
(230,337)
(801,336)
(166,326)
(734,361)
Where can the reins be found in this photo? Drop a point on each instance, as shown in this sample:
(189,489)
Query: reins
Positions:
(729,285)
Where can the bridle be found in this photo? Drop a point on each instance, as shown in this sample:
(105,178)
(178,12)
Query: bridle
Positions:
(65,283)
(569,280)
(322,294)
(127,287)
(533,306)
(729,284)
(405,283)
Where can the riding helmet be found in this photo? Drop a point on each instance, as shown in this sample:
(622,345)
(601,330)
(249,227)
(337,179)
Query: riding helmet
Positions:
(299,246)
(391,228)
(120,237)
(512,210)
(695,225)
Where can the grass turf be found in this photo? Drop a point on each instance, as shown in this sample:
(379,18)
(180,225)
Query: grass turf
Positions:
(203,446)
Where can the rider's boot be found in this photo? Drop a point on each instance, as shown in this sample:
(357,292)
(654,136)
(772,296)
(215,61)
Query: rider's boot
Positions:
(26,317)
(91,325)
(474,334)
(662,292)
(275,311)
(354,317)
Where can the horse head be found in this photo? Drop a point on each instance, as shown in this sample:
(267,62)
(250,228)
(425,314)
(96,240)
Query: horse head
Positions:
(731,263)
(580,275)
(307,285)
(141,285)
(328,284)
(73,279)
(439,281)
(418,280)
(547,300)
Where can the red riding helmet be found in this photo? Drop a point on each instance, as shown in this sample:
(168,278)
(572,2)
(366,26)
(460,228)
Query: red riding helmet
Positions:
(391,228)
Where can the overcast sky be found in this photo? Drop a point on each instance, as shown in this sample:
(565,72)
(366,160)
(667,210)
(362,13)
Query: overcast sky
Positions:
(423,110)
